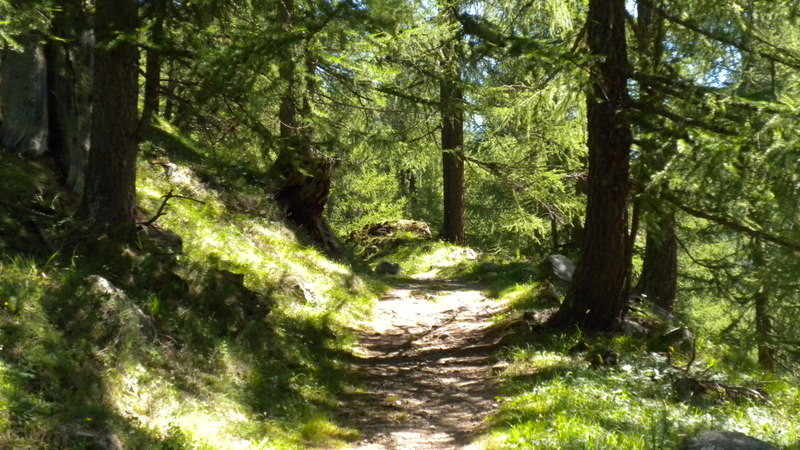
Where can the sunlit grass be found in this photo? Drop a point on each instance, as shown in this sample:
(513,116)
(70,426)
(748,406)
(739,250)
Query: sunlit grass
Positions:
(553,400)
(162,371)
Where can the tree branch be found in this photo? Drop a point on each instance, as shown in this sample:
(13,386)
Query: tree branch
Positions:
(789,60)
(728,223)
(161,208)
(683,120)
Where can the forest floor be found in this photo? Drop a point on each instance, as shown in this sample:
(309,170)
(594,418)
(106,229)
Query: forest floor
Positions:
(426,360)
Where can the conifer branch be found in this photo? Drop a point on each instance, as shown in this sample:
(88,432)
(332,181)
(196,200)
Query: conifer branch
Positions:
(788,58)
(730,224)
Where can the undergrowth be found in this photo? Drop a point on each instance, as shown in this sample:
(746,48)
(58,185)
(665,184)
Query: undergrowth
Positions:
(552,397)
(150,358)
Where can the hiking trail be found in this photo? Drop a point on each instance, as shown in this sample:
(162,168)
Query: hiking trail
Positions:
(426,360)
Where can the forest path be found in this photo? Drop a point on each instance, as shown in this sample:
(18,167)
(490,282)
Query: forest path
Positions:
(426,361)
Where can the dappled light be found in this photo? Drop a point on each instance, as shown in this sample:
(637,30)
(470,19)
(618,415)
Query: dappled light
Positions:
(394,224)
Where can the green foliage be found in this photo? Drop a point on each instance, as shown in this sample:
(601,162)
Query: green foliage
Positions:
(20,19)
(553,399)
(161,363)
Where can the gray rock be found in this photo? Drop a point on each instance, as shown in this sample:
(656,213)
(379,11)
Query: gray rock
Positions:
(679,338)
(160,241)
(388,268)
(632,328)
(300,289)
(725,440)
(560,267)
(490,267)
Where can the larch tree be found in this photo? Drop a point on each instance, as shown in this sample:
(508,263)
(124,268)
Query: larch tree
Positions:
(304,173)
(452,113)
(108,201)
(658,281)
(597,297)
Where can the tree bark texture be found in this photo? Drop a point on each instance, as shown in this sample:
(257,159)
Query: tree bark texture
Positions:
(109,197)
(452,112)
(69,77)
(453,163)
(597,297)
(304,174)
(23,98)
(152,66)
(659,278)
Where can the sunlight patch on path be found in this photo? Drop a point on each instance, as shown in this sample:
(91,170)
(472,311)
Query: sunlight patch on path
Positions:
(427,368)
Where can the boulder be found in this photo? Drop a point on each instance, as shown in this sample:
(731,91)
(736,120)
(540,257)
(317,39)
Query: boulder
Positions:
(388,229)
(230,302)
(160,241)
(725,440)
(558,267)
(677,339)
(300,289)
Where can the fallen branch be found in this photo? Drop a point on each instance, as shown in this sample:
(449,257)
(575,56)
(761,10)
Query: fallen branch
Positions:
(161,208)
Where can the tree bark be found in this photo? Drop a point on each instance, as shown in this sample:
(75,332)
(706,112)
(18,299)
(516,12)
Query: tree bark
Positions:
(152,66)
(453,163)
(303,172)
(452,112)
(659,278)
(109,197)
(69,77)
(766,354)
(23,98)
(597,297)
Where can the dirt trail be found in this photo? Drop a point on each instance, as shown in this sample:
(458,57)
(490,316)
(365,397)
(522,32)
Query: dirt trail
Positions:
(426,360)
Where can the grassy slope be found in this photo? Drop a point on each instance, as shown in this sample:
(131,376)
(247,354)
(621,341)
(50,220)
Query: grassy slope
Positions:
(551,399)
(164,366)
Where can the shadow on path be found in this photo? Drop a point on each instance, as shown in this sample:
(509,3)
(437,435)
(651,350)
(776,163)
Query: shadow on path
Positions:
(426,361)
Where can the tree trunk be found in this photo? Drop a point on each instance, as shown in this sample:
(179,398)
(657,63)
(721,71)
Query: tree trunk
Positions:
(451,98)
(453,164)
(23,98)
(69,77)
(597,297)
(109,197)
(659,278)
(304,173)
(766,354)
(152,67)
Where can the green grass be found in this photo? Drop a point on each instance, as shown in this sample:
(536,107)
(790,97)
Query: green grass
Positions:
(551,399)
(166,364)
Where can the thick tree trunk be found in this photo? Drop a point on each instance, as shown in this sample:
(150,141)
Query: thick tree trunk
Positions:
(23,98)
(659,278)
(597,297)
(452,112)
(453,163)
(69,75)
(109,197)
(304,173)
